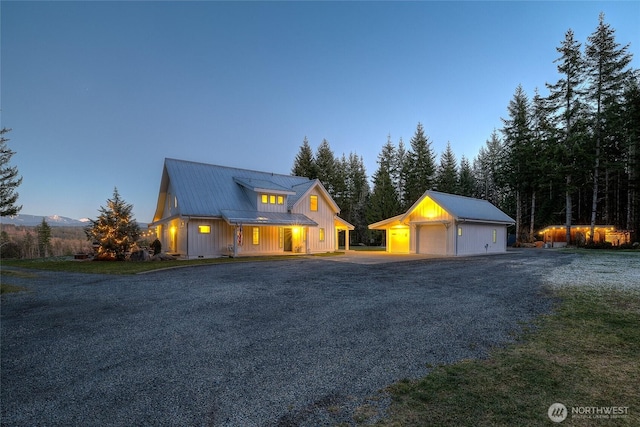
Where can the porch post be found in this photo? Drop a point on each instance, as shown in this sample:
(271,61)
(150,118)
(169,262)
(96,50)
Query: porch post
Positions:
(346,239)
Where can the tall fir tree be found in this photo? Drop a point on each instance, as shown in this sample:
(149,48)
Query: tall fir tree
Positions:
(326,167)
(486,167)
(421,166)
(631,115)
(518,150)
(9,179)
(607,67)
(447,173)
(43,232)
(567,111)
(115,230)
(357,192)
(384,202)
(466,180)
(304,163)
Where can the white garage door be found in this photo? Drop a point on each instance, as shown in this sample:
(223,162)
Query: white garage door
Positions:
(432,239)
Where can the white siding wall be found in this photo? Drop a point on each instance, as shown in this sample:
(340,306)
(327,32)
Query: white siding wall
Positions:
(209,245)
(476,236)
(324,217)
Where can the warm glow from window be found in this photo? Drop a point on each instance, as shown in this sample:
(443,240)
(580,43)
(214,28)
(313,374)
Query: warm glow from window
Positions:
(313,203)
(265,198)
(204,229)
(281,200)
(322,234)
(256,236)
(272,199)
(459,231)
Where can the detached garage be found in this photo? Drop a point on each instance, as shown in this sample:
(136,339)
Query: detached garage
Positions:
(447,224)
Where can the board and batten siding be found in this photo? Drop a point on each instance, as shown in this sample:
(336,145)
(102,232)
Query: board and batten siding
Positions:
(475,236)
(324,218)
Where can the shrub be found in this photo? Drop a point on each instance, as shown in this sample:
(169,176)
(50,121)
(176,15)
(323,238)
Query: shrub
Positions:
(156,246)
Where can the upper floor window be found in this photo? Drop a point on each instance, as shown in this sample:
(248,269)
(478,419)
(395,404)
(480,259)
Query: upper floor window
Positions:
(271,199)
(313,203)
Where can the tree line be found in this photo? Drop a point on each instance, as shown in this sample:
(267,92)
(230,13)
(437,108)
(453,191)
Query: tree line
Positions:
(570,157)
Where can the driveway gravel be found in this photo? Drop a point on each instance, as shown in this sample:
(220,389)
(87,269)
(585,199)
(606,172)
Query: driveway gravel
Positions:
(298,342)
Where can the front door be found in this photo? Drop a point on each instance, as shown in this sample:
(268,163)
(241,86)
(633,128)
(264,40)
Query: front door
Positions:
(288,241)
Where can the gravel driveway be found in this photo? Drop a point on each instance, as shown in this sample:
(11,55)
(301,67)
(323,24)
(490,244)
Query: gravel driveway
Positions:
(279,343)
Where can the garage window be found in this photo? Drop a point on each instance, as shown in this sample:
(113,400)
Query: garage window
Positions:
(495,235)
(459,231)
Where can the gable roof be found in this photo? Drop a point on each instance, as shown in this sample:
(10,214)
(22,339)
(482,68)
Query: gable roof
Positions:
(205,190)
(464,208)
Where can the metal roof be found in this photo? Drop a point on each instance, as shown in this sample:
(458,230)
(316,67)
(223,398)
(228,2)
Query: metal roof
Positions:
(464,208)
(266,218)
(205,190)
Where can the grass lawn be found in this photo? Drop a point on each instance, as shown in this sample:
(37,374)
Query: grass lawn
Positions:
(131,267)
(584,355)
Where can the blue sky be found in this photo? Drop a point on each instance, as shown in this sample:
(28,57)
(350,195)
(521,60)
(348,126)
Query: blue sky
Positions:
(99,93)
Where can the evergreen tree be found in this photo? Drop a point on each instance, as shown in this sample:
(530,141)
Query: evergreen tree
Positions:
(566,111)
(518,151)
(607,68)
(631,116)
(357,192)
(44,238)
(401,174)
(326,167)
(9,179)
(466,180)
(384,202)
(420,166)
(447,174)
(115,230)
(486,166)
(304,163)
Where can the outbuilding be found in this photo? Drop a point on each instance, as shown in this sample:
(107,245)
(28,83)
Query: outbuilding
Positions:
(447,224)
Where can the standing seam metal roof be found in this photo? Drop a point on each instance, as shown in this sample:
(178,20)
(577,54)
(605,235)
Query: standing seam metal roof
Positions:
(465,208)
(205,190)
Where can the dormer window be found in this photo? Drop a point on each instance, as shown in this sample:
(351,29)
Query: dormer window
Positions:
(272,199)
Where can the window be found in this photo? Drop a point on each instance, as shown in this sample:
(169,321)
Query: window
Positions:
(322,234)
(459,231)
(281,237)
(272,199)
(264,198)
(204,229)
(313,203)
(256,235)
(281,200)
(495,235)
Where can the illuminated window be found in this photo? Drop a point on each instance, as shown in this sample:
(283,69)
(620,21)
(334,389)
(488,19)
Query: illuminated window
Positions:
(459,231)
(313,203)
(495,235)
(281,237)
(281,200)
(175,202)
(272,199)
(256,235)
(204,229)
(265,198)
(322,234)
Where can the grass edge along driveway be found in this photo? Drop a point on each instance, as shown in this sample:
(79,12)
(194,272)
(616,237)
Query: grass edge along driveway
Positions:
(584,356)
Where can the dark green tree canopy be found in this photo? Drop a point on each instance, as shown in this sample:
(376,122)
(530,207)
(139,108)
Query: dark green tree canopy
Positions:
(447,174)
(9,179)
(304,163)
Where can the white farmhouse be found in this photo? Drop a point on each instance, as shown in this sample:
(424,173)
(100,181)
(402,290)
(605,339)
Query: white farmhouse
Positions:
(447,224)
(206,211)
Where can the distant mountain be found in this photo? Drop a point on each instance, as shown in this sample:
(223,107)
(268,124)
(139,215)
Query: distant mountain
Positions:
(52,220)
